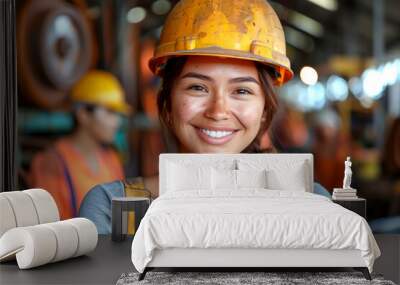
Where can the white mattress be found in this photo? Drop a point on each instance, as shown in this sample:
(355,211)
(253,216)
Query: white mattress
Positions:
(252,218)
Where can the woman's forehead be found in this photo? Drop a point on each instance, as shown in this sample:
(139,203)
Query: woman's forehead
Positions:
(218,66)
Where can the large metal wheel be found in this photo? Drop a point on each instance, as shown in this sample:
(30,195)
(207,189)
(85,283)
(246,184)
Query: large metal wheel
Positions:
(55,45)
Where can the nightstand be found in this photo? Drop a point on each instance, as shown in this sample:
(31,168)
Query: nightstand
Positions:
(357,205)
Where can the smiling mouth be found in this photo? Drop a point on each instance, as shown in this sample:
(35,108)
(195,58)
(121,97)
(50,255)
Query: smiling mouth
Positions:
(214,136)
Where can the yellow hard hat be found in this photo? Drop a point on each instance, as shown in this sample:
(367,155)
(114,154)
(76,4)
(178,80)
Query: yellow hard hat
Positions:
(100,88)
(248,30)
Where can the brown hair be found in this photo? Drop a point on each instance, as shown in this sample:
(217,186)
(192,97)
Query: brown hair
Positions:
(173,69)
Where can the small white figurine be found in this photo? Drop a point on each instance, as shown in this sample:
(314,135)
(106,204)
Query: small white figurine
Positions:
(347,174)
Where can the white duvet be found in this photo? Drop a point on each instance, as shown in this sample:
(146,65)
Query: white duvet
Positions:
(252,218)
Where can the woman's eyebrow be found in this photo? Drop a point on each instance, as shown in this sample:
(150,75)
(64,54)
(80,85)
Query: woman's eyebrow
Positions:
(197,75)
(244,79)
(208,78)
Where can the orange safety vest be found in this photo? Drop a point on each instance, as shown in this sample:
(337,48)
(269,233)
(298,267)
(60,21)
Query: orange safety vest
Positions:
(64,172)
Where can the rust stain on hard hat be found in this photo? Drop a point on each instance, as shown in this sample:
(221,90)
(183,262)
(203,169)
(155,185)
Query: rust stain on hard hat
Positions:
(200,18)
(237,14)
(202,34)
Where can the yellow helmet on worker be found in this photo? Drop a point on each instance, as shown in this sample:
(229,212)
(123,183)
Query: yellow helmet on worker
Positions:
(248,30)
(100,88)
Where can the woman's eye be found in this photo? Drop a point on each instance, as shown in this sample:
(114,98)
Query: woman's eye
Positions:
(197,88)
(243,91)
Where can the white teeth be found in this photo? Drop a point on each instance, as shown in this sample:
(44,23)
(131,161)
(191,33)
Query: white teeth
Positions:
(216,134)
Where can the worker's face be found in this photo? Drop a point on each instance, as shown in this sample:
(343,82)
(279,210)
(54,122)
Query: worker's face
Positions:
(102,124)
(217,105)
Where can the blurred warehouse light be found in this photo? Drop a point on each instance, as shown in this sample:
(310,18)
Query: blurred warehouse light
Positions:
(291,91)
(136,15)
(302,101)
(366,102)
(161,7)
(330,5)
(367,88)
(300,21)
(308,75)
(306,24)
(397,64)
(316,98)
(390,71)
(373,84)
(373,81)
(356,87)
(298,40)
(303,97)
(337,89)
(311,98)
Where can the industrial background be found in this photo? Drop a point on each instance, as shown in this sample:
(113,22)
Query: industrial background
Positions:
(343,101)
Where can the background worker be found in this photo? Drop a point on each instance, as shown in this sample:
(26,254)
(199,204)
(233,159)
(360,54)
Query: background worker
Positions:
(85,158)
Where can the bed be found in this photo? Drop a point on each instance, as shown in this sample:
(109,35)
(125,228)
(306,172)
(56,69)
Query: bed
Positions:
(246,211)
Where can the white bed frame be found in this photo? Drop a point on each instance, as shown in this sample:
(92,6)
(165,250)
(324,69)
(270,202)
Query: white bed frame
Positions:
(250,257)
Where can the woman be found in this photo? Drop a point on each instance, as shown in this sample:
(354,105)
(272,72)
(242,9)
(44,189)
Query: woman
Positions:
(219,62)
(76,163)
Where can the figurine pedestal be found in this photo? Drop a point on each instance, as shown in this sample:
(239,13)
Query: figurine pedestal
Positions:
(344,194)
(344,189)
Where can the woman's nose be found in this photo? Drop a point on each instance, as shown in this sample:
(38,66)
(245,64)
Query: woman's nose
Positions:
(217,109)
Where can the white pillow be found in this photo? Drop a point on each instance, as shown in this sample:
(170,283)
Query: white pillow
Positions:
(293,179)
(223,179)
(181,177)
(251,178)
